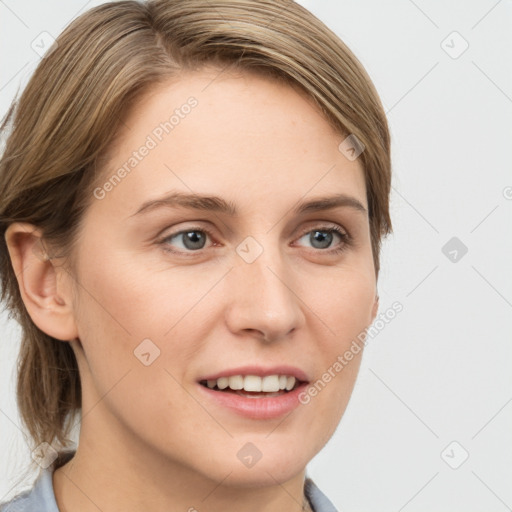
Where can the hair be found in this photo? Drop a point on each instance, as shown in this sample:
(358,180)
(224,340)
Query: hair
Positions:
(62,127)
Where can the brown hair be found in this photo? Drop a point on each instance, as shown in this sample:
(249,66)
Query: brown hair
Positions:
(66,119)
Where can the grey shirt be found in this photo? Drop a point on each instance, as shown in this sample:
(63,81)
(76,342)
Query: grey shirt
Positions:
(41,498)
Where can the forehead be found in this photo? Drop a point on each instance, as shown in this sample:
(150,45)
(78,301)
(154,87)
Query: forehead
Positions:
(213,132)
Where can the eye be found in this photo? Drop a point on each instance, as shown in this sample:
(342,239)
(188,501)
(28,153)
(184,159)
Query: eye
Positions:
(192,239)
(321,238)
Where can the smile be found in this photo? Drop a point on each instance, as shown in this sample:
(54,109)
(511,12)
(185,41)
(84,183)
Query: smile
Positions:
(253,385)
(271,394)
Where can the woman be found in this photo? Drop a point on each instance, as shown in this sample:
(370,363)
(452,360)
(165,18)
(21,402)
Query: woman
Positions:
(194,196)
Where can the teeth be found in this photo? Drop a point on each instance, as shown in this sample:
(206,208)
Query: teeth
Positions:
(290,382)
(254,383)
(223,383)
(270,383)
(236,382)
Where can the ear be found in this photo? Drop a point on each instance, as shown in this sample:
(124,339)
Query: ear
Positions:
(38,276)
(375,307)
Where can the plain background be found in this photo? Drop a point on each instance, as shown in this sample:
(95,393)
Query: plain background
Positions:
(429,424)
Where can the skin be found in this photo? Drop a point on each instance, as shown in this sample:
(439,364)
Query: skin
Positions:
(146,430)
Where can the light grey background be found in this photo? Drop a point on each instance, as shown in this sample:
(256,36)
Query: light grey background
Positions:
(440,371)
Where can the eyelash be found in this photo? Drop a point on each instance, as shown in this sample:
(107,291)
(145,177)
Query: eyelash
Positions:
(346,239)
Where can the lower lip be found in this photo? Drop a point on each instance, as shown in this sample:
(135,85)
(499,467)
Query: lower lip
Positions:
(257,408)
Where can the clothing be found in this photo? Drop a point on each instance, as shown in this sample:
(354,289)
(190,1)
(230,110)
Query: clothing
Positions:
(41,497)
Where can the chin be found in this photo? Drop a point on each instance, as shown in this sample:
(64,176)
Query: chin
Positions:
(271,463)
(262,474)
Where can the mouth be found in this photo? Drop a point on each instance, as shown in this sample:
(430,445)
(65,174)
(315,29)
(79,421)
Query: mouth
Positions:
(254,392)
(254,386)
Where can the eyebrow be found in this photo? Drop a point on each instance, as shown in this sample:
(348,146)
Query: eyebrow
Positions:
(220,205)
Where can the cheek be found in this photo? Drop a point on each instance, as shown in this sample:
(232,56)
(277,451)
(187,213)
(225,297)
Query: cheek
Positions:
(346,308)
(125,302)
(347,302)
(131,297)
(122,306)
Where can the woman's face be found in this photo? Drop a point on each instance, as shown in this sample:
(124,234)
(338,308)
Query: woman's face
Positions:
(179,293)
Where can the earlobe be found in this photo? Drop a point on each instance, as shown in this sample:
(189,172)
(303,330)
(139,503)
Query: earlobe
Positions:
(38,279)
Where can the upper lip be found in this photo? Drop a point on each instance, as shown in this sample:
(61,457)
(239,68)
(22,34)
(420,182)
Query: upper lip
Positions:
(260,371)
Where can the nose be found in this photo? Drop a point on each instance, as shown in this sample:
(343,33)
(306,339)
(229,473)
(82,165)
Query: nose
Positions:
(263,299)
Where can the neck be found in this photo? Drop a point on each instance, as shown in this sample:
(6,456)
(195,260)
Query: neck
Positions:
(108,476)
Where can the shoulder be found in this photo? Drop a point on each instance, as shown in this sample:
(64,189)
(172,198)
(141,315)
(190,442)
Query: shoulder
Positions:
(21,503)
(318,500)
(41,497)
